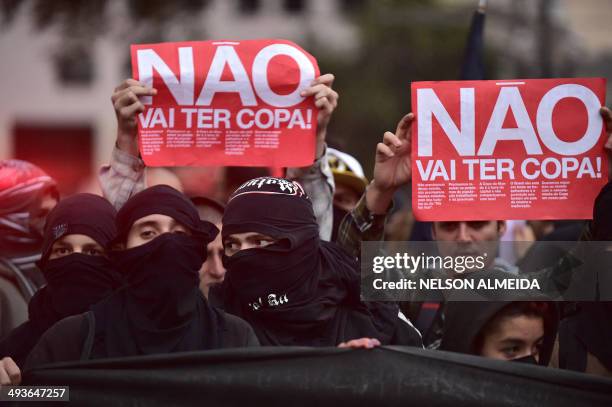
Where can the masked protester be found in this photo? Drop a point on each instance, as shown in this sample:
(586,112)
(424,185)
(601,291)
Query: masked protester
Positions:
(27,194)
(160,309)
(292,287)
(74,263)
(522,331)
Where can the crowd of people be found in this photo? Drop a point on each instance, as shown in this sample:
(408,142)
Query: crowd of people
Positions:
(147,270)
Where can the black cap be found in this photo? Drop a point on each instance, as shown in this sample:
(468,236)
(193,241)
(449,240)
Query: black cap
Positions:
(163,200)
(83,214)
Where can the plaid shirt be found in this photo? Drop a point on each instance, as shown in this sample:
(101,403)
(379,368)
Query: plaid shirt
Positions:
(122,178)
(358,226)
(318,182)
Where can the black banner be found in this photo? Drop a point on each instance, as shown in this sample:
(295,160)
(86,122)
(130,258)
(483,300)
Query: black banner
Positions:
(321,377)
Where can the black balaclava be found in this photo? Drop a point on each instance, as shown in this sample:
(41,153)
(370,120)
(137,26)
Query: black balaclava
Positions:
(80,214)
(161,309)
(299,290)
(74,282)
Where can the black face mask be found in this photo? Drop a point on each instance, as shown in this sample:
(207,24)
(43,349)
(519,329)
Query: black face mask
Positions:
(273,277)
(163,270)
(530,359)
(161,309)
(74,283)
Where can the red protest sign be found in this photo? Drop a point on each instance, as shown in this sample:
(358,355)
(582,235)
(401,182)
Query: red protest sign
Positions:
(520,149)
(226,103)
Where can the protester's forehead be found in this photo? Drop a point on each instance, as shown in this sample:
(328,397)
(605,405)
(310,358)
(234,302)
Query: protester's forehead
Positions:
(247,236)
(76,239)
(517,327)
(154,218)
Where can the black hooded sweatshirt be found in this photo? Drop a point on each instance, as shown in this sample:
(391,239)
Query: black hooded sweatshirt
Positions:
(465,320)
(300,290)
(589,329)
(74,282)
(160,309)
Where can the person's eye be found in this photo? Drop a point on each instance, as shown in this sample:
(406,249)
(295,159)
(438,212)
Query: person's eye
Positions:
(510,351)
(231,248)
(477,225)
(147,234)
(93,252)
(61,251)
(264,242)
(230,245)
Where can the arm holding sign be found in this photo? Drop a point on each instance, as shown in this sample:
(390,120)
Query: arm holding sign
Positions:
(318,180)
(125,176)
(392,169)
(127,107)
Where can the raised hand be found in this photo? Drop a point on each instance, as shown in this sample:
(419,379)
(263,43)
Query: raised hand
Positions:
(127,106)
(393,166)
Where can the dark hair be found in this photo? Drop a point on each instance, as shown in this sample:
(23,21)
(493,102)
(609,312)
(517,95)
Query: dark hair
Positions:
(537,309)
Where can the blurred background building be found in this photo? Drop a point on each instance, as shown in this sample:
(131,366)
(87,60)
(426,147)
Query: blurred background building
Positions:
(61,60)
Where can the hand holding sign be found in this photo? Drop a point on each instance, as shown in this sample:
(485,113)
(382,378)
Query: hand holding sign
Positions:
(520,149)
(127,104)
(229,103)
(326,100)
(393,166)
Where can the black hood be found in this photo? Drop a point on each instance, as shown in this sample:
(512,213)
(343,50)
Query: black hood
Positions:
(463,321)
(299,290)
